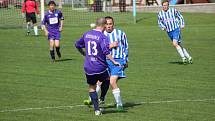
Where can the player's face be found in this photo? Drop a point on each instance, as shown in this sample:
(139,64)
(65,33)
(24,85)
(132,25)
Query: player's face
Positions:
(109,25)
(51,7)
(165,6)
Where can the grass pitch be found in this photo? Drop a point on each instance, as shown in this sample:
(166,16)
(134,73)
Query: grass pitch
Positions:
(158,87)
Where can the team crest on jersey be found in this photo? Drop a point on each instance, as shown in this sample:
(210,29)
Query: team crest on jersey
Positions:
(56,14)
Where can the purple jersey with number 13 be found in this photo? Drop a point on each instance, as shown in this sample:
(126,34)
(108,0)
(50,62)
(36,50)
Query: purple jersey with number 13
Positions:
(96,45)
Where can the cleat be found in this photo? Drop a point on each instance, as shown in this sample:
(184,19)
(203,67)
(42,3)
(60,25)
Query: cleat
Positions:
(98,113)
(87,102)
(184,61)
(59,55)
(28,33)
(52,60)
(190,60)
(101,102)
(119,108)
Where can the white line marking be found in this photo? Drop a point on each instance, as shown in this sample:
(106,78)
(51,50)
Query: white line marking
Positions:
(73,106)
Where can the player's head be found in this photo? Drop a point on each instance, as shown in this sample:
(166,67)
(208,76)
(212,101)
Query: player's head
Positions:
(100,23)
(165,5)
(109,23)
(51,5)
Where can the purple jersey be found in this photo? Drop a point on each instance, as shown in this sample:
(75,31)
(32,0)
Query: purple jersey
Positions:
(96,45)
(52,20)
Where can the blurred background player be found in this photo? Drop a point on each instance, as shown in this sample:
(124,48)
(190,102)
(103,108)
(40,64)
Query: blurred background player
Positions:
(29,8)
(53,25)
(172,21)
(96,46)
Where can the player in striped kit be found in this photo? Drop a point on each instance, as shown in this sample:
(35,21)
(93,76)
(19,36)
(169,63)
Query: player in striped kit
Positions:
(119,51)
(172,21)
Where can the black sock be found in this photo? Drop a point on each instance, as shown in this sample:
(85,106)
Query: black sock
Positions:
(58,51)
(94,98)
(104,89)
(52,54)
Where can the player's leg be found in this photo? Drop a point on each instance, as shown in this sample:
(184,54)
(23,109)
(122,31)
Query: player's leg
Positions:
(116,92)
(104,88)
(57,44)
(34,21)
(92,80)
(51,46)
(28,21)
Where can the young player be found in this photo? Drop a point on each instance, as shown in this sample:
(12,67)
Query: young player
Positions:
(172,21)
(53,25)
(30,7)
(96,46)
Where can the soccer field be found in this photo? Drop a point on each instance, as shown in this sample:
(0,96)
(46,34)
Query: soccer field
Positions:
(157,87)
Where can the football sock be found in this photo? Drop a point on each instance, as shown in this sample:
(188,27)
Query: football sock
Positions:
(94,98)
(58,51)
(186,53)
(35,30)
(52,54)
(104,89)
(180,51)
(28,27)
(97,88)
(116,93)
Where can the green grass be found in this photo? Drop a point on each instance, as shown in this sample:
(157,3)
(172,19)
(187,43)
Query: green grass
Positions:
(29,80)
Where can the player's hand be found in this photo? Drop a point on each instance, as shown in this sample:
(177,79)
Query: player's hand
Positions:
(114,44)
(182,26)
(126,65)
(163,29)
(23,15)
(116,63)
(46,33)
(61,29)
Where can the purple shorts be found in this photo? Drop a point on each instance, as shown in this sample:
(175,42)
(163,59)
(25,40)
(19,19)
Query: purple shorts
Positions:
(92,79)
(54,35)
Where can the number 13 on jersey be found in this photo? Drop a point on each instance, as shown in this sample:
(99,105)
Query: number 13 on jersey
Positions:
(92,48)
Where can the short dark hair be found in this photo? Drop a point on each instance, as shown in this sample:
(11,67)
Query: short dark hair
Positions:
(109,17)
(51,2)
(165,1)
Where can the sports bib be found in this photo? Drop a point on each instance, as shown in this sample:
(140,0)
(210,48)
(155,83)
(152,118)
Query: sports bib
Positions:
(53,20)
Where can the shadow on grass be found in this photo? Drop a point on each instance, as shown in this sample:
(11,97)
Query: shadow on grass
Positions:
(63,60)
(177,62)
(126,106)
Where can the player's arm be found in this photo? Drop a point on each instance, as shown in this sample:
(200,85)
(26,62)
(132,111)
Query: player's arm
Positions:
(125,45)
(61,21)
(180,17)
(80,45)
(161,23)
(113,45)
(106,50)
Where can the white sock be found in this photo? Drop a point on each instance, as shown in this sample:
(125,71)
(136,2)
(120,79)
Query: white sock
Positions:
(180,51)
(116,94)
(186,53)
(35,30)
(28,27)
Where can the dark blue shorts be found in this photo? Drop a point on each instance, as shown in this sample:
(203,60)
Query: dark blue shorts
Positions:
(54,35)
(92,79)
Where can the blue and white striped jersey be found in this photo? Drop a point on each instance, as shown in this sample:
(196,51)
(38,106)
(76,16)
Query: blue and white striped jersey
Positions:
(170,20)
(120,52)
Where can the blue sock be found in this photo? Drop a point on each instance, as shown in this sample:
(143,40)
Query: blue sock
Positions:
(94,98)
(104,89)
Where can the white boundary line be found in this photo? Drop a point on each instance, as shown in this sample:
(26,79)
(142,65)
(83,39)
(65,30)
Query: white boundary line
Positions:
(73,106)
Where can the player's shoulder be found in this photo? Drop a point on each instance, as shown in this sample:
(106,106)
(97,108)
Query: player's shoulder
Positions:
(58,11)
(119,31)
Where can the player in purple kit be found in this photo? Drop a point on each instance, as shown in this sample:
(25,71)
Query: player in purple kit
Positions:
(96,46)
(53,25)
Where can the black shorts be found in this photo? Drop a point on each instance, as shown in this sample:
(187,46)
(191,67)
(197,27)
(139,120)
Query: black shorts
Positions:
(92,79)
(31,17)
